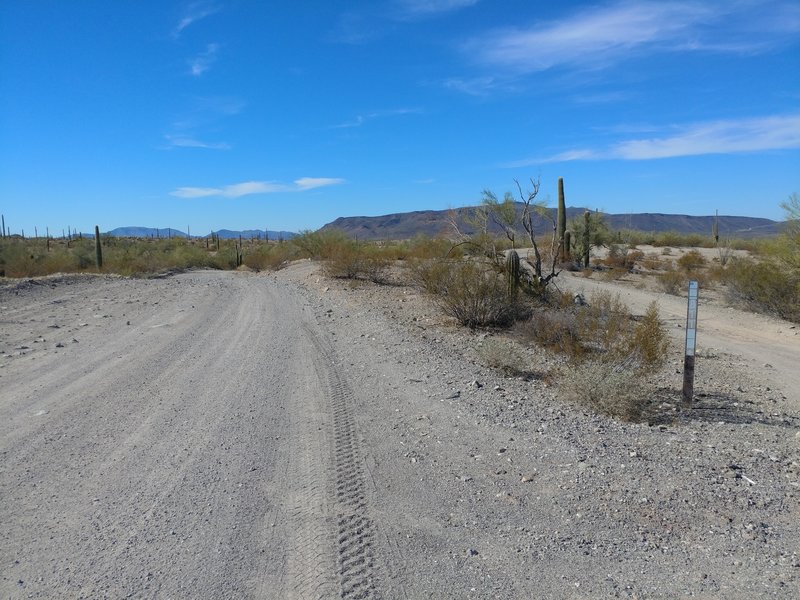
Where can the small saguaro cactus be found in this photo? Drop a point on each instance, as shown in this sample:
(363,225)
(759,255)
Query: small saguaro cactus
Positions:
(715,228)
(512,272)
(562,221)
(239,252)
(567,246)
(98,249)
(587,237)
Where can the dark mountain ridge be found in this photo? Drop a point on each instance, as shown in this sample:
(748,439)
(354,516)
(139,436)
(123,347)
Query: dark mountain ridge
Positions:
(166,232)
(439,222)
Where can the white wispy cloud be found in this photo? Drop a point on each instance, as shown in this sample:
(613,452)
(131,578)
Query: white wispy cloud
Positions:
(309,183)
(600,36)
(431,7)
(717,137)
(194,12)
(203,61)
(359,120)
(474,86)
(248,188)
(186,141)
(761,134)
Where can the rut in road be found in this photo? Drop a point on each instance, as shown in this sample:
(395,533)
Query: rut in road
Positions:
(355,533)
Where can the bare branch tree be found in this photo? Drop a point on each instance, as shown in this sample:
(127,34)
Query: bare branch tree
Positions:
(531,207)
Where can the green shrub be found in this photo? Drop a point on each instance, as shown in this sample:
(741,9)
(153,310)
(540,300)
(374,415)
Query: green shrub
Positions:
(649,342)
(691,261)
(269,257)
(765,286)
(357,261)
(475,295)
(320,244)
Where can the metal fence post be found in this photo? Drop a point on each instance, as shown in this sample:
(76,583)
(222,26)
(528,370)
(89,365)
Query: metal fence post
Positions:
(691,344)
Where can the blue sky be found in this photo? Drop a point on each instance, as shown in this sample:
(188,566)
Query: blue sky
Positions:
(238,114)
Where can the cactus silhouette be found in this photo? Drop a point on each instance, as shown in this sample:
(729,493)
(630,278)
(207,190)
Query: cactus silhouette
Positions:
(98,249)
(562,221)
(587,236)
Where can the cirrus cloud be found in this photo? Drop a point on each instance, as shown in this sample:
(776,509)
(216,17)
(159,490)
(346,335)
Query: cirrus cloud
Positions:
(600,36)
(247,188)
(760,134)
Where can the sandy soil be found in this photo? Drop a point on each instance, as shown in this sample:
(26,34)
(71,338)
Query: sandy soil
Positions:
(230,435)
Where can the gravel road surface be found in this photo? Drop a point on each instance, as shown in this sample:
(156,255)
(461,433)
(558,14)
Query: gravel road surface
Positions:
(238,435)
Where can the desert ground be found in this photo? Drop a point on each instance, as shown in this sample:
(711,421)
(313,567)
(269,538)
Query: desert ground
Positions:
(285,435)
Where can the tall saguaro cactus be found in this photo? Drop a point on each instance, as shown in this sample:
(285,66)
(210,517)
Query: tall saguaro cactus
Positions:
(98,249)
(587,237)
(562,221)
(715,228)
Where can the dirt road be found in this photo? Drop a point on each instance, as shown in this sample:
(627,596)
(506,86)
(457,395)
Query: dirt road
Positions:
(190,439)
(233,435)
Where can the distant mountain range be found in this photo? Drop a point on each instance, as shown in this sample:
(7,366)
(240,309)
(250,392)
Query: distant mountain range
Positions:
(151,232)
(438,222)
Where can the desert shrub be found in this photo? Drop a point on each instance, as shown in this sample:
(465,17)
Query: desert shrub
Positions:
(621,257)
(475,295)
(691,261)
(321,244)
(426,248)
(428,274)
(271,257)
(614,389)
(648,343)
(682,240)
(554,329)
(652,262)
(764,286)
(603,330)
(503,355)
(672,281)
(357,261)
(603,322)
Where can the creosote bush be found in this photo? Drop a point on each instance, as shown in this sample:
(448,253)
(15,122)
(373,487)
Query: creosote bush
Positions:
(472,293)
(691,261)
(357,261)
(765,286)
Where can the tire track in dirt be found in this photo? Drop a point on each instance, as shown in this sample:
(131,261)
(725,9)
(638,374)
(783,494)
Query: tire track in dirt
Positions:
(355,531)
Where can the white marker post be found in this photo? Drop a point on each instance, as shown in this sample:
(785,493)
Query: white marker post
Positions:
(691,344)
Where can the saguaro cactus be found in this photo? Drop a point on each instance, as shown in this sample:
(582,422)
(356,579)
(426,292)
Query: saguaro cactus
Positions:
(567,246)
(562,221)
(715,228)
(587,237)
(512,272)
(98,249)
